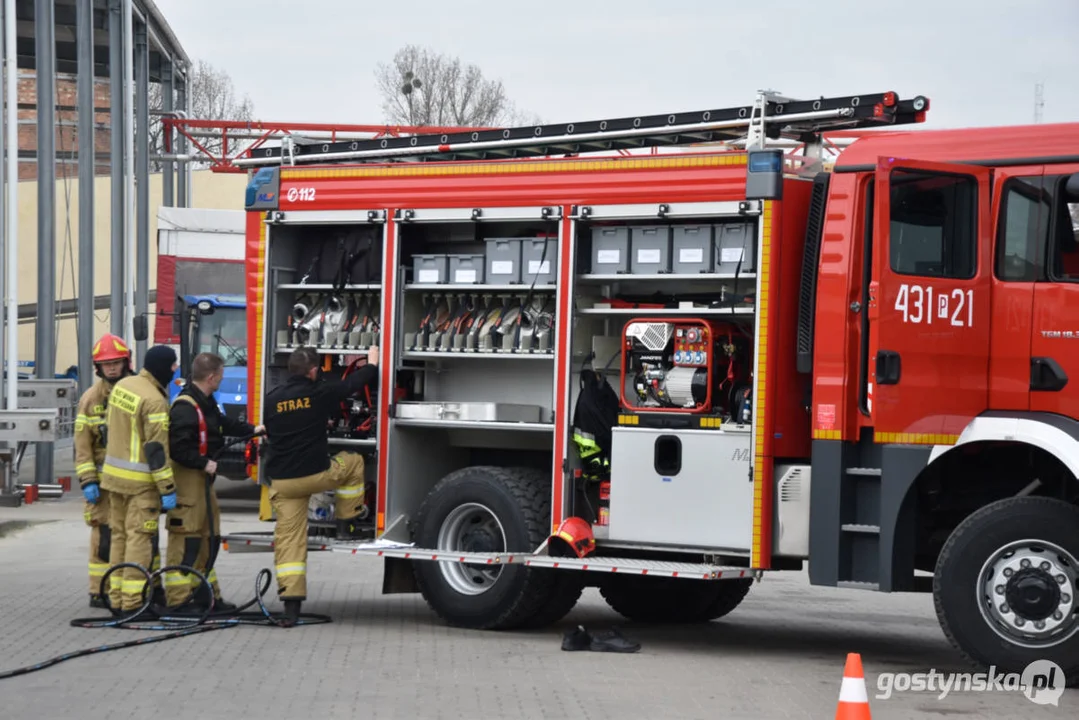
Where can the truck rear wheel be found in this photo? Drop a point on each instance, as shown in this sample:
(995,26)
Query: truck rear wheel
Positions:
(671,600)
(485,509)
(1006,585)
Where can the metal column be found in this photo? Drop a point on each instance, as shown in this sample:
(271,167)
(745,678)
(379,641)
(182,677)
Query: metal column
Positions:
(11,252)
(142,178)
(130,263)
(182,166)
(45,332)
(168,168)
(116,166)
(3,251)
(84,29)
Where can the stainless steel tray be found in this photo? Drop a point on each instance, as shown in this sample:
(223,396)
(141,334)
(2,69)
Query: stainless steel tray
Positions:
(475,411)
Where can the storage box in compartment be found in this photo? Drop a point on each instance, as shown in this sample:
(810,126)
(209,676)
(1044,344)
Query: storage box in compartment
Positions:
(430,269)
(610,250)
(650,249)
(469,411)
(503,261)
(466,269)
(700,477)
(539,257)
(736,248)
(691,249)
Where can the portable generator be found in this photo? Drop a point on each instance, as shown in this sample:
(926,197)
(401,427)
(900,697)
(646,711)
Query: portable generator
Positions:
(687,367)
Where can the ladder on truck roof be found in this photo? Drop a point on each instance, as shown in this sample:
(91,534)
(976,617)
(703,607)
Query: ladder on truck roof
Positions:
(772,116)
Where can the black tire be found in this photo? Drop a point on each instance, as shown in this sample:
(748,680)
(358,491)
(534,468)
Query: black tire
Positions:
(957,584)
(522,506)
(566,587)
(656,600)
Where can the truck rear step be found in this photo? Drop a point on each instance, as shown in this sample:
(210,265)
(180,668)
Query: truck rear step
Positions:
(596,564)
(263,542)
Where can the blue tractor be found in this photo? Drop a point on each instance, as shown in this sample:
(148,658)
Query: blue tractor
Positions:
(217,324)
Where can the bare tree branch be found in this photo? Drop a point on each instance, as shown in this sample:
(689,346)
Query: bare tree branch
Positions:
(447,92)
(211,96)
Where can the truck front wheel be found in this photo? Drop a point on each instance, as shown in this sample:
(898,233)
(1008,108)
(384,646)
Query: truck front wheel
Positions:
(1006,585)
(484,510)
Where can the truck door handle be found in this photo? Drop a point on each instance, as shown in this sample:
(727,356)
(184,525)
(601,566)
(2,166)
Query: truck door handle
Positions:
(1047,375)
(888,367)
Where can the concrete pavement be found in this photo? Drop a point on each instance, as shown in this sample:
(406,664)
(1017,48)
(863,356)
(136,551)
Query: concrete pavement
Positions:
(779,655)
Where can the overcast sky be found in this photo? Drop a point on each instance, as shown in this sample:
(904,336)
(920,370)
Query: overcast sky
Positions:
(571,60)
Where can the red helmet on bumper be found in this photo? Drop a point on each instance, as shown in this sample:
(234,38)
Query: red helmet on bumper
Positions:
(572,539)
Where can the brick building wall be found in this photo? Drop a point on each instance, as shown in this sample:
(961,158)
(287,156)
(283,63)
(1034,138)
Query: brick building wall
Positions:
(67,117)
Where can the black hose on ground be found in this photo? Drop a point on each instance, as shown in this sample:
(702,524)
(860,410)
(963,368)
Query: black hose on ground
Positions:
(175,625)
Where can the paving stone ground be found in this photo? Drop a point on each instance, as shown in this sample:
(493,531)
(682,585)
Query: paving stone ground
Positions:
(779,655)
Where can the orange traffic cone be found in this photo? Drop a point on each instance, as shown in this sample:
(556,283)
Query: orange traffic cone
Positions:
(853,699)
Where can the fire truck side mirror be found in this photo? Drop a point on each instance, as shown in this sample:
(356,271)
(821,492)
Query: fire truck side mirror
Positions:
(1071,188)
(138,324)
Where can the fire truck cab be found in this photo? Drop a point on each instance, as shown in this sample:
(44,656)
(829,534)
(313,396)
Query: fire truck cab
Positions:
(864,368)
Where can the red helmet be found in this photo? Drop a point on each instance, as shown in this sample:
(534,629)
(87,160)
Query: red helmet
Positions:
(574,537)
(110,347)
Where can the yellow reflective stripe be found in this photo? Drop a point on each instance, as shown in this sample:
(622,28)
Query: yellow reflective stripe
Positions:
(123,474)
(175,577)
(158,418)
(287,569)
(128,464)
(132,587)
(98,569)
(115,581)
(212,576)
(164,473)
(350,491)
(134,452)
(87,468)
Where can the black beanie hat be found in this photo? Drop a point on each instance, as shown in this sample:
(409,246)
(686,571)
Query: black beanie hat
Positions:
(158,362)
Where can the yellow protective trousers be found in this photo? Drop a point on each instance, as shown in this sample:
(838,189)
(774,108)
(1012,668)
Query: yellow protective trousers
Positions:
(133,520)
(290,497)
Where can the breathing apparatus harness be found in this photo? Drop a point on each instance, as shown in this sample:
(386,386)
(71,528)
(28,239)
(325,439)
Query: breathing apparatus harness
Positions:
(174,624)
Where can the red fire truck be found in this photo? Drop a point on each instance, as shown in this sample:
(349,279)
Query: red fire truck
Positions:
(667,374)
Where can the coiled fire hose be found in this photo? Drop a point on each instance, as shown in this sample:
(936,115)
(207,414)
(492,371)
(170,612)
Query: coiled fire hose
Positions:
(174,625)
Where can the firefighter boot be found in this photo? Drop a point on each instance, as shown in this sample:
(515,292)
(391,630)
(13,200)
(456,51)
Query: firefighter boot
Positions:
(292,613)
(98,602)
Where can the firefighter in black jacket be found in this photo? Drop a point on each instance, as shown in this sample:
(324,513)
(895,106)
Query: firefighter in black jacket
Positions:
(197,432)
(298,464)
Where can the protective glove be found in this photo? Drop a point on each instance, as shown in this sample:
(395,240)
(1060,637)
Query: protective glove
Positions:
(92,493)
(168,502)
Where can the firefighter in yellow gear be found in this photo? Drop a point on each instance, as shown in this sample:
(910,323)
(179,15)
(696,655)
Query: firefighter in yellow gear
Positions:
(137,473)
(298,464)
(112,361)
(197,431)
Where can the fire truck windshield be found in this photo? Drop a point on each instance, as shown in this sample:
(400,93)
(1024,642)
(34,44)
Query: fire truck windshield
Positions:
(224,332)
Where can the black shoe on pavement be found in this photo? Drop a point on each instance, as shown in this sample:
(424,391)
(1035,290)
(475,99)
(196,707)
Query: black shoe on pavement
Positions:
(292,613)
(576,639)
(612,641)
(96,601)
(224,606)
